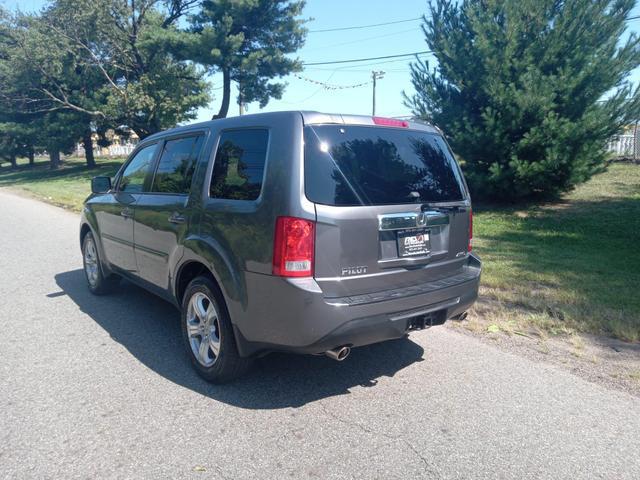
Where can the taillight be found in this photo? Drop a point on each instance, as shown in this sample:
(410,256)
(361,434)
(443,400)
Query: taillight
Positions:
(390,122)
(470,245)
(293,247)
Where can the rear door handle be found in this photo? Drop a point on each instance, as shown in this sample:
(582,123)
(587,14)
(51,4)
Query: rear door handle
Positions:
(177,218)
(126,213)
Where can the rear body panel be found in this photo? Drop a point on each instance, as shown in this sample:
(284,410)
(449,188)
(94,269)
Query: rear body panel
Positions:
(354,256)
(295,315)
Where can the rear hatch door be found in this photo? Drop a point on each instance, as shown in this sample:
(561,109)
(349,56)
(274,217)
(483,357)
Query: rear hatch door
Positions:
(392,208)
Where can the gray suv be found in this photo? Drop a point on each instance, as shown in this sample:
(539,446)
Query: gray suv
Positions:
(291,231)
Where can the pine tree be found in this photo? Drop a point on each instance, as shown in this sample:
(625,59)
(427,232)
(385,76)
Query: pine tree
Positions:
(528,91)
(249,41)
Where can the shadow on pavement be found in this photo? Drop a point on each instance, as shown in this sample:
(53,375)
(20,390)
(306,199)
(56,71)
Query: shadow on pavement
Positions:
(149,328)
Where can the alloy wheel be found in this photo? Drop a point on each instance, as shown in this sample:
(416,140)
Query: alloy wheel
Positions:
(91,261)
(203,329)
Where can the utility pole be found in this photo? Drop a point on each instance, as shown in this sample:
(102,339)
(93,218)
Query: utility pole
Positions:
(635,143)
(375,75)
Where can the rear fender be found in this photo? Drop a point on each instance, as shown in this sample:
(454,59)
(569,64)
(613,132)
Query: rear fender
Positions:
(226,271)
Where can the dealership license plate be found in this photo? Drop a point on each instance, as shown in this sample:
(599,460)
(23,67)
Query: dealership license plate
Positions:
(413,242)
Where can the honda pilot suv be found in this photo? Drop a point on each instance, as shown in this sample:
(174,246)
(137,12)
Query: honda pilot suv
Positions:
(292,231)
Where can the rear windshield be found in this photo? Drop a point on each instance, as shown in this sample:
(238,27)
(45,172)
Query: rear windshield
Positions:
(359,165)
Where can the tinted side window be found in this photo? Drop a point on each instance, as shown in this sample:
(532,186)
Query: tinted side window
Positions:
(177,164)
(136,171)
(239,164)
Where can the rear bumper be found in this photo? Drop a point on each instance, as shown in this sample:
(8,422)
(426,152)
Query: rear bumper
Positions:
(294,316)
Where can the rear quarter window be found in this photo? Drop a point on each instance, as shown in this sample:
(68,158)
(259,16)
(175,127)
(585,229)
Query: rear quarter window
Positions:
(360,165)
(238,168)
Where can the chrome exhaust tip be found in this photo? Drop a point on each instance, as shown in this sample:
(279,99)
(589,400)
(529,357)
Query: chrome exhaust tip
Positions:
(460,316)
(339,353)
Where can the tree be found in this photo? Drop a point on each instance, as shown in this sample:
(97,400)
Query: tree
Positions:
(527,91)
(17,134)
(58,133)
(109,61)
(9,144)
(44,73)
(154,87)
(248,42)
(72,69)
(17,139)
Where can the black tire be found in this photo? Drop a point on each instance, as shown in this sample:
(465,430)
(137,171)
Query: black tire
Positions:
(98,283)
(227,365)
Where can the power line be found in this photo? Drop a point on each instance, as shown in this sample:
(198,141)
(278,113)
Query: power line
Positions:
(365,26)
(350,68)
(368,59)
(361,40)
(328,86)
(320,89)
(335,62)
(357,27)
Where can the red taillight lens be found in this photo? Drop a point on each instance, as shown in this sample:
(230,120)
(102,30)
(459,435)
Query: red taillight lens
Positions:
(470,246)
(293,247)
(390,122)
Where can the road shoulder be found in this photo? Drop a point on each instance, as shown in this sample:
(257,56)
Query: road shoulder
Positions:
(605,361)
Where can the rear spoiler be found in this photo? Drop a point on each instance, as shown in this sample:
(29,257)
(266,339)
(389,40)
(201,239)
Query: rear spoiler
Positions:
(317,118)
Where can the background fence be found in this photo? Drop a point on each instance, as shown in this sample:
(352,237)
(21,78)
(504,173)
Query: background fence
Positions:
(110,151)
(623,146)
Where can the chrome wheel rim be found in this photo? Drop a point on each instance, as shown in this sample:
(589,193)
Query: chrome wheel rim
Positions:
(203,329)
(91,261)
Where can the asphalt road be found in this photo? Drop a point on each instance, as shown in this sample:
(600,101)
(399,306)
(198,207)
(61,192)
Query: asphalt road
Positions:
(99,387)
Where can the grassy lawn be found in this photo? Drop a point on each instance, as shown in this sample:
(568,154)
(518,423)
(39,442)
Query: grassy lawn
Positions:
(572,266)
(66,187)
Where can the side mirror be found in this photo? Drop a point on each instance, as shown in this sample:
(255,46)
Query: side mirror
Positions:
(100,184)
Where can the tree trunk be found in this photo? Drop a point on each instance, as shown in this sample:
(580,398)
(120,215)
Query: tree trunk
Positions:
(87,142)
(141,132)
(14,163)
(32,157)
(54,157)
(226,94)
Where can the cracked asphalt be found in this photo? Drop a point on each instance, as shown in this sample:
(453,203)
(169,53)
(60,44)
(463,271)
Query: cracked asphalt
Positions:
(99,387)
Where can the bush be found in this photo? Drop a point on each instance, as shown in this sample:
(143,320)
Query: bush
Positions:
(518,89)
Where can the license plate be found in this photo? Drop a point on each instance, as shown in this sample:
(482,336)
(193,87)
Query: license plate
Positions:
(413,242)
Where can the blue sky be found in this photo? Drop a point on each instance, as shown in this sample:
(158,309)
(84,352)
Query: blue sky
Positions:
(348,44)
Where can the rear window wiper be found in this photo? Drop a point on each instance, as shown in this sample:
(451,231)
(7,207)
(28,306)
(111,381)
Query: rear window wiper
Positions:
(441,208)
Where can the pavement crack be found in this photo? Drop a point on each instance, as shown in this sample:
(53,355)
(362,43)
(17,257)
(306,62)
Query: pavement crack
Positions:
(427,466)
(354,424)
(221,473)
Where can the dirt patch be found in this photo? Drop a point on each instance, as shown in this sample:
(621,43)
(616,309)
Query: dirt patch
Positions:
(608,362)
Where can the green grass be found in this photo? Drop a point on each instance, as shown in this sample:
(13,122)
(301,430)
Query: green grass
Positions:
(66,187)
(571,266)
